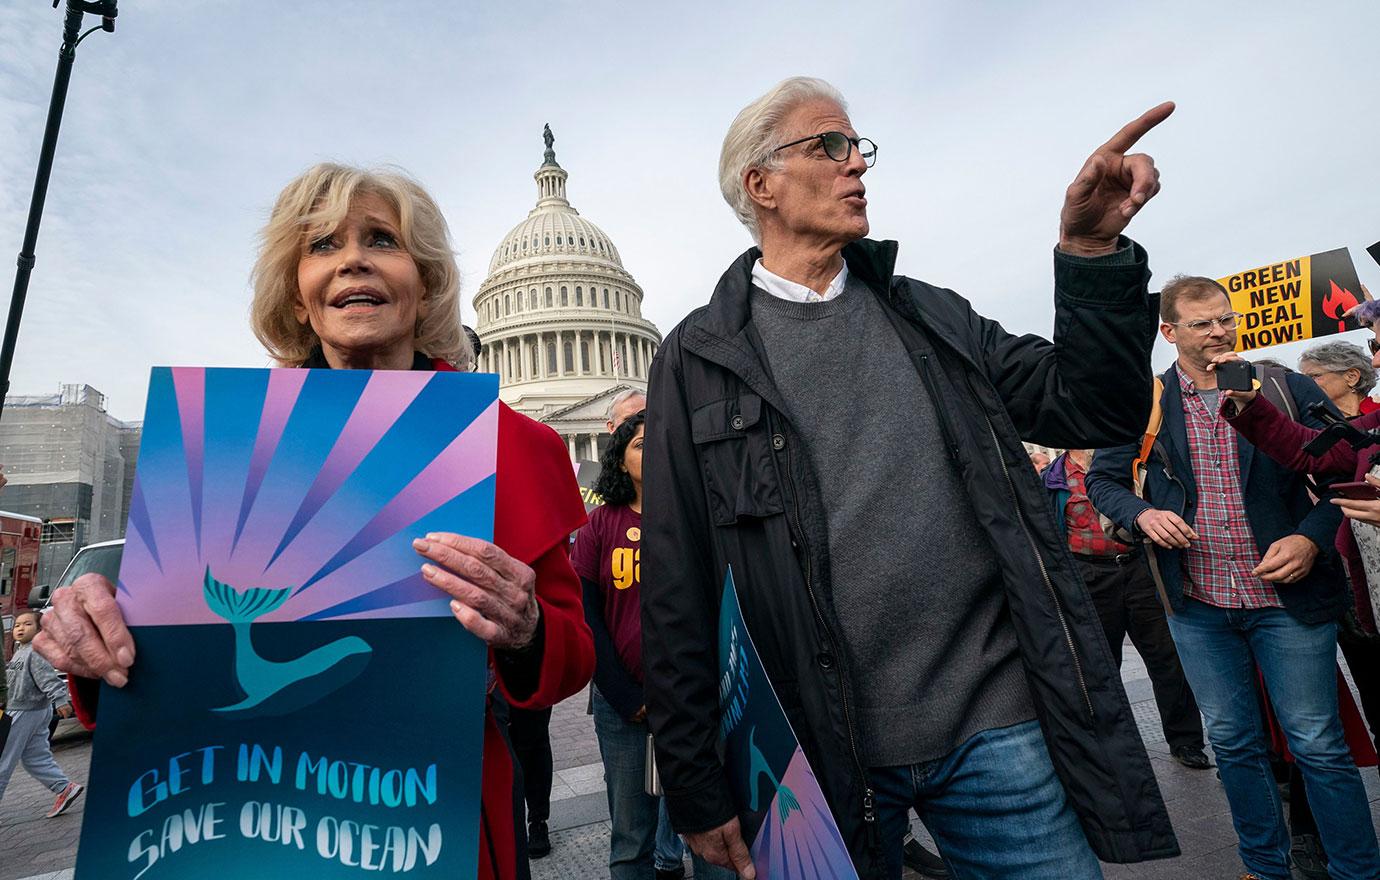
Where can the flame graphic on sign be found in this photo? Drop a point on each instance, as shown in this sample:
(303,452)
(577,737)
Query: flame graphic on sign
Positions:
(1337,302)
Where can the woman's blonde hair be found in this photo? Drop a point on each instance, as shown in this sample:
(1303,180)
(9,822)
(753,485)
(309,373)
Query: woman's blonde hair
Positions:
(315,204)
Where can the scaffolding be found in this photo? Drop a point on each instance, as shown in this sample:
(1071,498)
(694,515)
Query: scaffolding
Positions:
(71,464)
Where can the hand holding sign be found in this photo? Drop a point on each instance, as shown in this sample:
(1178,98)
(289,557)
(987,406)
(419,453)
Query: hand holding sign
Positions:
(493,594)
(1111,187)
(724,846)
(85,633)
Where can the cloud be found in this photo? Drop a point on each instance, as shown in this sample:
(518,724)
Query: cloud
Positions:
(183,125)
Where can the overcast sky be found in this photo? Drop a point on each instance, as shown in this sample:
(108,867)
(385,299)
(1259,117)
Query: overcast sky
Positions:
(182,127)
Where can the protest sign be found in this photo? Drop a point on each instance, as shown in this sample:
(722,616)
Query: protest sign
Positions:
(1293,300)
(587,474)
(1374,251)
(303,703)
(785,820)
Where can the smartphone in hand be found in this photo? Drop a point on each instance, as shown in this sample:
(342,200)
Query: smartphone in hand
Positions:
(1361,491)
(1235,376)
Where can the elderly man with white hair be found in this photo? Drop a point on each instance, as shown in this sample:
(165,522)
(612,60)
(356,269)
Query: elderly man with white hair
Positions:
(624,404)
(898,567)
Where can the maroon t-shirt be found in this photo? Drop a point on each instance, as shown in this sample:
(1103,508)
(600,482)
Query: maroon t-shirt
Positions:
(608,552)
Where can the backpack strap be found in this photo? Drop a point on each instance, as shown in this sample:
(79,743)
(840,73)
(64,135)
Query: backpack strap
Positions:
(1148,440)
(1274,384)
(1149,445)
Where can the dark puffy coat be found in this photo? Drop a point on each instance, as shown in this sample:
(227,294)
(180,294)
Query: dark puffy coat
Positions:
(727,484)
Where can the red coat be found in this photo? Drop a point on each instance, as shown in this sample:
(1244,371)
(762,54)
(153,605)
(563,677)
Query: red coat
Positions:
(1270,431)
(1280,437)
(537,506)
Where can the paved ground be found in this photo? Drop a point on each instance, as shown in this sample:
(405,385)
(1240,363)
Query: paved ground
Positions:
(34,848)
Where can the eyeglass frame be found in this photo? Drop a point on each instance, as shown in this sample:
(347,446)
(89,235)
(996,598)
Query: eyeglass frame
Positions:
(1206,326)
(1374,345)
(1318,375)
(852,142)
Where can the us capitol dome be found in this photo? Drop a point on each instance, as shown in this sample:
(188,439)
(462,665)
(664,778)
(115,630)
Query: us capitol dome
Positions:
(560,319)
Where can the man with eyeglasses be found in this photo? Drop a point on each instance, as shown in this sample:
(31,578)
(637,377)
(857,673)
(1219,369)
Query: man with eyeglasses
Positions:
(925,629)
(1237,538)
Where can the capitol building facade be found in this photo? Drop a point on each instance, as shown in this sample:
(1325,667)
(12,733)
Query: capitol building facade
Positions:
(560,319)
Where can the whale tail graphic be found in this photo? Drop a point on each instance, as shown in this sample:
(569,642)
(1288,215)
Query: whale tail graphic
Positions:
(241,607)
(272,687)
(785,798)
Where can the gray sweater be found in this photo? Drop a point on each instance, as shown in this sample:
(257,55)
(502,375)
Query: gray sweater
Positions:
(916,588)
(33,682)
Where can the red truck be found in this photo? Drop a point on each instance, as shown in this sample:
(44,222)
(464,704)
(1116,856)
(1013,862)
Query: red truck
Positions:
(19,536)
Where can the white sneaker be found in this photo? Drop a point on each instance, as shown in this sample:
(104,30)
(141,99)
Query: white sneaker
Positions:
(65,798)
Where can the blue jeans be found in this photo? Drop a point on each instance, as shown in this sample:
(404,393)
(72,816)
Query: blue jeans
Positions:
(994,807)
(670,849)
(638,820)
(1221,649)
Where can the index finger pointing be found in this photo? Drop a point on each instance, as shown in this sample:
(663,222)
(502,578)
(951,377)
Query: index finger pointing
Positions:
(1136,129)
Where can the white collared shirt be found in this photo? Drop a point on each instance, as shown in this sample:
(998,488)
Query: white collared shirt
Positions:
(788,290)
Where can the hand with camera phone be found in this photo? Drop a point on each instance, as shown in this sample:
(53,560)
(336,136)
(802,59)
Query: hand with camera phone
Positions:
(1365,510)
(1239,395)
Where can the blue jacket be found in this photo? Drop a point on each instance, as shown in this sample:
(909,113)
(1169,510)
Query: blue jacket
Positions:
(1277,502)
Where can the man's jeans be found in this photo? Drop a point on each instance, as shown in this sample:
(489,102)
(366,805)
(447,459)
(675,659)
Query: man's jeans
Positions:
(1221,649)
(670,849)
(633,813)
(993,805)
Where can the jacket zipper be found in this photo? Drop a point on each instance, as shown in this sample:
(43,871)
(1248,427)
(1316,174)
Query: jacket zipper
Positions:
(869,802)
(951,447)
(1035,549)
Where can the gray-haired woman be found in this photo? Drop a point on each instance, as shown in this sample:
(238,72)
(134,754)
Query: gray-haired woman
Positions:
(1344,372)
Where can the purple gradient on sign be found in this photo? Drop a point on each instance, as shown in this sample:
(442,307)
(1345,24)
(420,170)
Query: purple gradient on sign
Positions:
(385,398)
(807,846)
(428,608)
(411,589)
(468,459)
(190,385)
(139,523)
(350,545)
(167,500)
(283,388)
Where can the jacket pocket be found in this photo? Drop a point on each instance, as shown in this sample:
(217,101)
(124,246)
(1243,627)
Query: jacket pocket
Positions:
(734,447)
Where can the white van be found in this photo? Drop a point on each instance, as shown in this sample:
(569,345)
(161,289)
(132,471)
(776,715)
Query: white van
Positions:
(102,558)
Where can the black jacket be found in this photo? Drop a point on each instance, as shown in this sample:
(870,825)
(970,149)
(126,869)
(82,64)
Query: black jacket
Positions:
(727,483)
(1276,498)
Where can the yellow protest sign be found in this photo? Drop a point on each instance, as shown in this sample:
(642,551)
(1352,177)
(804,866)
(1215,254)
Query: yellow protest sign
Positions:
(1296,299)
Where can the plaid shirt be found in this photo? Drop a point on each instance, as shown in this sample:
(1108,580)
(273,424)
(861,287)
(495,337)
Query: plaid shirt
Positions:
(1219,563)
(1086,536)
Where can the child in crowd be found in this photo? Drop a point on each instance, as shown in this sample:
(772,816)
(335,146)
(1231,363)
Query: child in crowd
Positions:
(34,688)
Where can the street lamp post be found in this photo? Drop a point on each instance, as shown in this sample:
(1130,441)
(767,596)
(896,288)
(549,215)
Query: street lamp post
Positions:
(72,35)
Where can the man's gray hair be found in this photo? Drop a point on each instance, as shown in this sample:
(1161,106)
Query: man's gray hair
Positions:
(1338,357)
(623,396)
(755,133)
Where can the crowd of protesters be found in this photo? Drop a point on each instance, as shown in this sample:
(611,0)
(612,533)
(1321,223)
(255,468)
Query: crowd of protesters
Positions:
(943,623)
